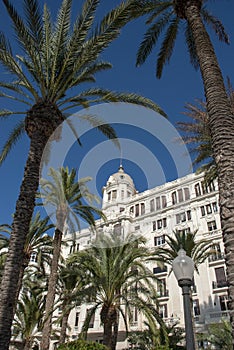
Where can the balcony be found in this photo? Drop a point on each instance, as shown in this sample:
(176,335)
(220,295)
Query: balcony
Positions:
(219,284)
(163,293)
(216,257)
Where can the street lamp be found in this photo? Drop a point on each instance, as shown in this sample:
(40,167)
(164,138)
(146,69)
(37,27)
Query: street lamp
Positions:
(183,267)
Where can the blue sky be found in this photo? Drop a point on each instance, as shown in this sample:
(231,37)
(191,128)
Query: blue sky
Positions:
(179,84)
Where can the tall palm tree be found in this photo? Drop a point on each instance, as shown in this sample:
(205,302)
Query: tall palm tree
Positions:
(168,15)
(118,276)
(67,196)
(45,76)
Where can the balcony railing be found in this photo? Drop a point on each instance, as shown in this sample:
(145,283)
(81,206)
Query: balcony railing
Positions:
(219,284)
(215,257)
(163,293)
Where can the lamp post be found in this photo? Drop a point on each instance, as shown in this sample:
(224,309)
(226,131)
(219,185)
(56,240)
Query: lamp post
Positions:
(183,268)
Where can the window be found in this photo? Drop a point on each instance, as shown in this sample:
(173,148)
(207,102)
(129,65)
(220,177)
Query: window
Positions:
(160,240)
(121,209)
(223,300)
(132,210)
(122,194)
(137,228)
(186,193)
(77,319)
(203,212)
(163,311)
(174,197)
(196,307)
(184,216)
(161,287)
(184,231)
(158,203)
(152,205)
(215,207)
(109,196)
(197,188)
(114,194)
(91,322)
(164,201)
(137,210)
(33,257)
(154,226)
(208,209)
(211,226)
(161,223)
(220,277)
(142,208)
(180,195)
(128,194)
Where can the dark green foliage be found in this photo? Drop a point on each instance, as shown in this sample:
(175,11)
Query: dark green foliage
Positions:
(82,345)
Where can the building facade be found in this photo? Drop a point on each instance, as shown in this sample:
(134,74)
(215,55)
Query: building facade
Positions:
(184,204)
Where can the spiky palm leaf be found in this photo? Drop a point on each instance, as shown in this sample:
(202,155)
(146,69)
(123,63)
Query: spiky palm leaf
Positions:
(164,17)
(198,250)
(118,275)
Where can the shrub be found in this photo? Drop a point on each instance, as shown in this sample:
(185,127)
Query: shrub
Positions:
(82,345)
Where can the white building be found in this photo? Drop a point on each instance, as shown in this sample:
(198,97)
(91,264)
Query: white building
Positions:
(184,204)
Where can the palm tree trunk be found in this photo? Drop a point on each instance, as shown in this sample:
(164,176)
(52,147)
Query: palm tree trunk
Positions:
(45,342)
(115,333)
(22,217)
(107,334)
(221,122)
(62,337)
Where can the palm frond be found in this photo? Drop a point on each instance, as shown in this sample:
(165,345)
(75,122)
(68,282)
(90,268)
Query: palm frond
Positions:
(13,138)
(191,47)
(167,46)
(151,37)
(216,25)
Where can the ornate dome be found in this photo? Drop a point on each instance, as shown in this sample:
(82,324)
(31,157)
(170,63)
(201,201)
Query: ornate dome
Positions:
(120,177)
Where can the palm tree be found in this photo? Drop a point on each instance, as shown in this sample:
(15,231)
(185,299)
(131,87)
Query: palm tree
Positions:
(52,63)
(168,15)
(119,281)
(38,243)
(197,134)
(198,250)
(67,196)
(27,324)
(72,283)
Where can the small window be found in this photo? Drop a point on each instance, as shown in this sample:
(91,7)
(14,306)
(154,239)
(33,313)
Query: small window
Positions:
(188,214)
(186,193)
(203,213)
(77,319)
(158,203)
(180,195)
(208,209)
(160,240)
(137,228)
(122,194)
(223,300)
(152,205)
(164,201)
(164,222)
(174,197)
(163,311)
(114,194)
(33,257)
(196,307)
(197,189)
(211,226)
(109,196)
(142,208)
(159,224)
(154,225)
(215,207)
(137,210)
